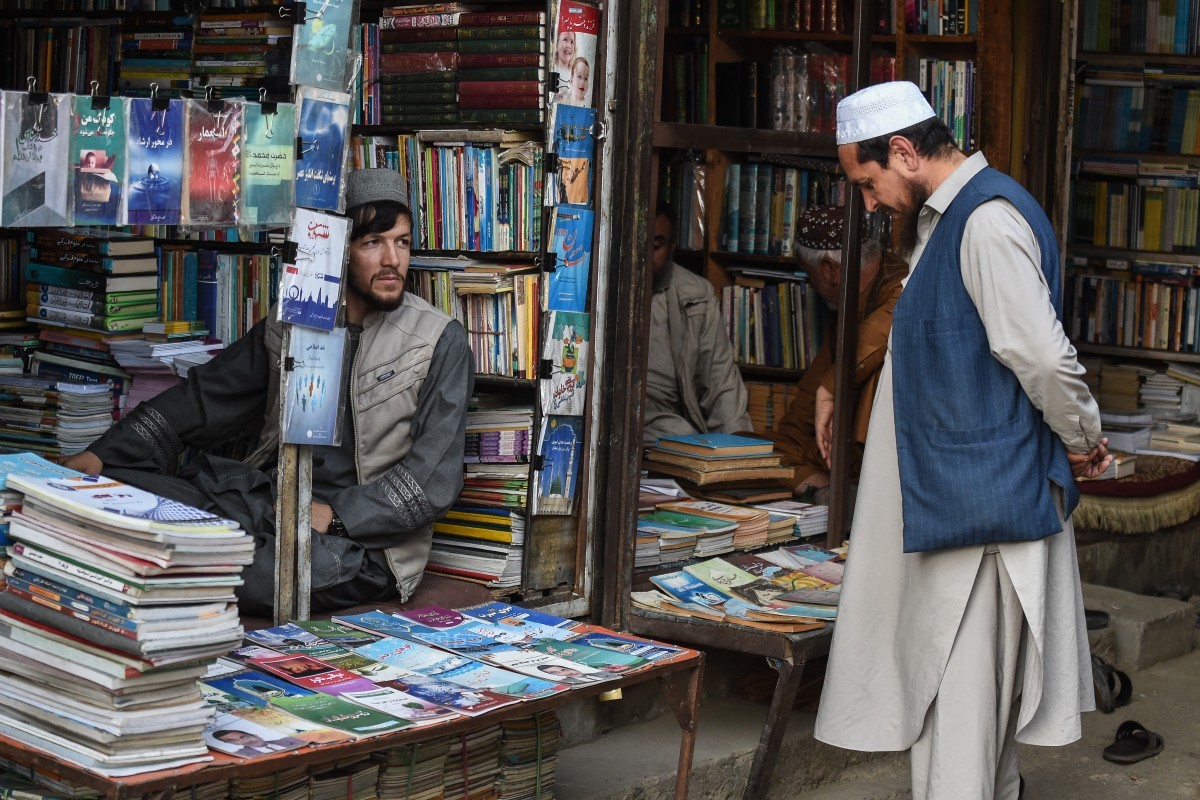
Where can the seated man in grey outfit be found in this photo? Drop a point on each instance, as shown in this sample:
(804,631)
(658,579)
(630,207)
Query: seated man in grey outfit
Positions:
(399,467)
(692,382)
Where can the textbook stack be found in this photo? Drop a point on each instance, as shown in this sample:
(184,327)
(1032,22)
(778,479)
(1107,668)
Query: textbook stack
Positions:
(479,544)
(115,601)
(153,364)
(717,459)
(237,53)
(496,303)
(354,781)
(682,535)
(53,418)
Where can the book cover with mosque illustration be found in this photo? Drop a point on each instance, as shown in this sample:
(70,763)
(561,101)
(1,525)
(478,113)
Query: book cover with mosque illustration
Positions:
(98,175)
(214,169)
(311,408)
(268,164)
(566,349)
(571,244)
(36,174)
(156,144)
(561,449)
(311,283)
(321,47)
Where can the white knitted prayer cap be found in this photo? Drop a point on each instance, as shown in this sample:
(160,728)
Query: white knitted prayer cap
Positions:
(881,109)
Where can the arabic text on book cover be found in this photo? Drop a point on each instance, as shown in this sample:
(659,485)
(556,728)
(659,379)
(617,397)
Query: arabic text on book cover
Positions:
(268,165)
(575,144)
(314,387)
(321,49)
(214,162)
(567,350)
(571,244)
(36,180)
(156,153)
(310,287)
(561,450)
(324,120)
(97,153)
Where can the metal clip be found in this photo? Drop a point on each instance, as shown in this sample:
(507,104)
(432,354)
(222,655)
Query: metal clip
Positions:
(550,162)
(553,82)
(159,104)
(538,462)
(36,98)
(289,363)
(599,130)
(99,101)
(303,147)
(545,368)
(215,107)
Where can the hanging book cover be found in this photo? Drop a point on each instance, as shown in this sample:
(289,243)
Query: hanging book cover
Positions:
(321,46)
(566,352)
(98,175)
(36,172)
(268,164)
(561,449)
(576,31)
(571,243)
(321,149)
(311,286)
(214,171)
(575,145)
(312,405)
(157,141)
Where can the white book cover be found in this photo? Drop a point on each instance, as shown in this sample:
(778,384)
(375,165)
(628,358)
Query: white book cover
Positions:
(311,286)
(37,172)
(566,350)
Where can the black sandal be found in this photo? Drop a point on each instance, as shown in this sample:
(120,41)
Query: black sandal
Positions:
(1113,687)
(1133,743)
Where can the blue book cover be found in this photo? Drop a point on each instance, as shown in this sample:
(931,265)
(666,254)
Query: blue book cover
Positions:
(716,445)
(268,165)
(575,145)
(311,287)
(498,613)
(320,167)
(379,622)
(36,179)
(321,46)
(689,589)
(30,465)
(561,449)
(257,688)
(98,173)
(157,140)
(571,243)
(312,403)
(630,645)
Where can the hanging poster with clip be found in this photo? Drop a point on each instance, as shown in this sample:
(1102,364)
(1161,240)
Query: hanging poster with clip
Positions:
(312,281)
(36,181)
(157,140)
(268,165)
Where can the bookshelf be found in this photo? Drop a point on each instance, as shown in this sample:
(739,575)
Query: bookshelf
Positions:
(1132,250)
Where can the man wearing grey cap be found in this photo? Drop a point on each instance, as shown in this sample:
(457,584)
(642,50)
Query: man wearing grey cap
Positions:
(399,467)
(960,628)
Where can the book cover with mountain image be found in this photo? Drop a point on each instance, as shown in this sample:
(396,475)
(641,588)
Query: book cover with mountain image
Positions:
(156,145)
(321,154)
(36,179)
(311,287)
(321,46)
(268,164)
(98,162)
(561,448)
(214,172)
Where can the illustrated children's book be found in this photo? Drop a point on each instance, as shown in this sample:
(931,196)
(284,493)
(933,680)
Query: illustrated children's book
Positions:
(571,244)
(311,287)
(575,145)
(36,175)
(312,405)
(321,45)
(567,351)
(214,168)
(98,160)
(575,34)
(156,145)
(268,164)
(321,149)
(561,448)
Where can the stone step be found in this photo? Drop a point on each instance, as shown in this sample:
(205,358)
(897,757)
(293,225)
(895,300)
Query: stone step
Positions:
(1142,631)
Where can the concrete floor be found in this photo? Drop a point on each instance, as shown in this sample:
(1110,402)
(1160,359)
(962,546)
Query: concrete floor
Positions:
(637,762)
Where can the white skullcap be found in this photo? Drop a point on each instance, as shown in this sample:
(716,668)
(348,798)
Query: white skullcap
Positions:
(881,109)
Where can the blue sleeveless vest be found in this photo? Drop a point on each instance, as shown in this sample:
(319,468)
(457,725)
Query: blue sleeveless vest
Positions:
(976,458)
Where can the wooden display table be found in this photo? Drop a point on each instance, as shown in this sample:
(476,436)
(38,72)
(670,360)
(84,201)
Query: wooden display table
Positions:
(787,653)
(680,678)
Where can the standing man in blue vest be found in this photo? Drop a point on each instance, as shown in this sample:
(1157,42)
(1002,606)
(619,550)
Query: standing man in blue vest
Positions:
(961,628)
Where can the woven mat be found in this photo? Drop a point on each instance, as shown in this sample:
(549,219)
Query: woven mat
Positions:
(1164,492)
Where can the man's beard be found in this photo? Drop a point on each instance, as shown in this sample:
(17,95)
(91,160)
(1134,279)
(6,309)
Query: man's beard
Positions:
(372,300)
(906,219)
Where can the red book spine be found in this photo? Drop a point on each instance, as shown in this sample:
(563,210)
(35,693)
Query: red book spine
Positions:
(395,35)
(492,88)
(418,62)
(419,21)
(500,101)
(477,60)
(482,18)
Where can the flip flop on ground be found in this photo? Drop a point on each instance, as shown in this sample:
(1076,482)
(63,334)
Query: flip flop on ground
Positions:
(1112,686)
(1133,743)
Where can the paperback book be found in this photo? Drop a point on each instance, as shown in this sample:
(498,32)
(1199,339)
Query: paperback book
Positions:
(321,45)
(98,161)
(312,405)
(214,170)
(36,176)
(575,145)
(571,245)
(321,150)
(576,32)
(268,165)
(311,287)
(566,352)
(156,147)
(561,449)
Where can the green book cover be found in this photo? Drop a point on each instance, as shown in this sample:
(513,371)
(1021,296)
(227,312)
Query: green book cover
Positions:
(594,657)
(342,715)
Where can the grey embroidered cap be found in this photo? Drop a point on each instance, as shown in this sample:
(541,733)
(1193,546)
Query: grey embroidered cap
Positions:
(879,110)
(375,185)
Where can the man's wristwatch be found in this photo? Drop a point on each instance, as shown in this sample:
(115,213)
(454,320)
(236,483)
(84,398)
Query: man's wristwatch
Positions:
(337,527)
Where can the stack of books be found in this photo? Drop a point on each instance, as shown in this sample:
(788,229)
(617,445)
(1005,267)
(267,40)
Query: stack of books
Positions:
(498,433)
(234,53)
(153,363)
(682,536)
(413,772)
(502,76)
(1127,431)
(1160,394)
(710,459)
(354,781)
(286,784)
(496,485)
(115,602)
(10,499)
(155,51)
(496,304)
(1123,465)
(752,523)
(808,519)
(479,544)
(768,403)
(1120,385)
(529,757)
(472,765)
(53,418)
